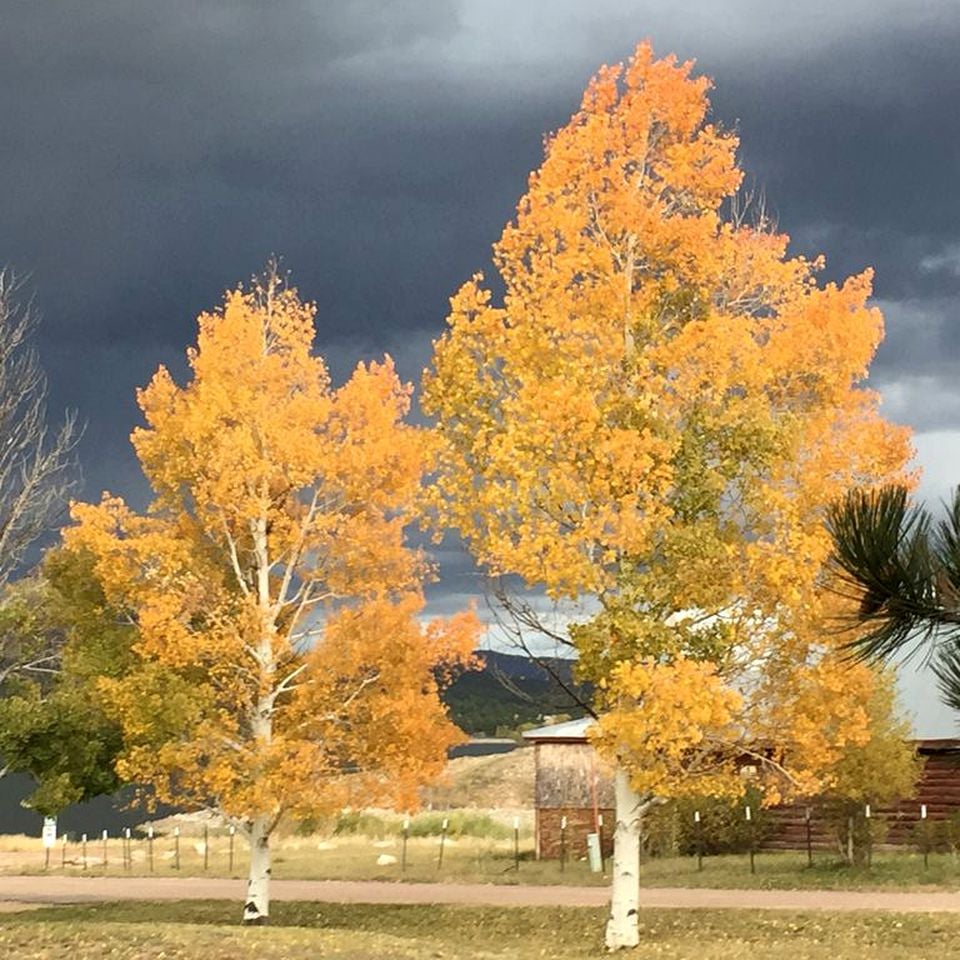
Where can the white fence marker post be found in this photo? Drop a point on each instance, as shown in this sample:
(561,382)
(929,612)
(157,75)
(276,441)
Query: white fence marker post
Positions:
(443,838)
(563,843)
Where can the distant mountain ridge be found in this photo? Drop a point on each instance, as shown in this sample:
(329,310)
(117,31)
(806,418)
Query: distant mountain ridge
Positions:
(507,693)
(511,691)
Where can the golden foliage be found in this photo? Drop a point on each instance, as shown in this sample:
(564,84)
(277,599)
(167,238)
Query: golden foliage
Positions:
(849,742)
(662,405)
(282,665)
(672,728)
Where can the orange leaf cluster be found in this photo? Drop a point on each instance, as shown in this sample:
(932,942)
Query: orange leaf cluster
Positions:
(282,663)
(672,728)
(661,407)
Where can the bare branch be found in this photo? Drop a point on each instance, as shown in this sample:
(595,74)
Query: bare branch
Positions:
(31,645)
(290,564)
(336,715)
(37,467)
(235,557)
(524,619)
(287,682)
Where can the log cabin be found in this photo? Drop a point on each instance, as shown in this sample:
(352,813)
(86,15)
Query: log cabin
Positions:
(574,789)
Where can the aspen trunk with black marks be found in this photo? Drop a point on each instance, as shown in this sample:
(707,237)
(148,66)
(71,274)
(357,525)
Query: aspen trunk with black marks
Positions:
(256,908)
(623,924)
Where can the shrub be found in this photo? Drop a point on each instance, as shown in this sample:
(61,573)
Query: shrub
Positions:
(378,825)
(362,823)
(660,831)
(949,833)
(723,827)
(854,832)
(924,835)
(460,823)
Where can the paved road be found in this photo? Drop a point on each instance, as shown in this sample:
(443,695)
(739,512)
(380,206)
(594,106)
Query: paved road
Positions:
(34,890)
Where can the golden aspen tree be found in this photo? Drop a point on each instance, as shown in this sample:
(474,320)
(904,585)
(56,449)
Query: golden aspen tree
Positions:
(654,417)
(281,663)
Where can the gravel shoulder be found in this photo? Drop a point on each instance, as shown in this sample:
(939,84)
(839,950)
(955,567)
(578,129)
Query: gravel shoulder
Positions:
(32,890)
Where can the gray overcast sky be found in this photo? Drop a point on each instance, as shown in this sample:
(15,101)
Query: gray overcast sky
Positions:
(154,154)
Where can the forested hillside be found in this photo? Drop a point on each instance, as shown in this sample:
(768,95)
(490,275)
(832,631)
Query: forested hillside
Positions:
(511,691)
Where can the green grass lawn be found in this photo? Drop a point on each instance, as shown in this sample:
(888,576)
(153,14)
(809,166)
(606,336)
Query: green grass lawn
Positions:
(351,932)
(789,871)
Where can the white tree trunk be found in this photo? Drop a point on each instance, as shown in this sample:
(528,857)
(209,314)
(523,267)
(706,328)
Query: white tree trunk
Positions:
(622,927)
(256,909)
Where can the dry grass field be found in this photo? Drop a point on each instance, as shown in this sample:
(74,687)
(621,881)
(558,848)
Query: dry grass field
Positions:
(191,931)
(480,797)
(468,859)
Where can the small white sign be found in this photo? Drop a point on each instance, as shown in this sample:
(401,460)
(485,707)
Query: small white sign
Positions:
(49,831)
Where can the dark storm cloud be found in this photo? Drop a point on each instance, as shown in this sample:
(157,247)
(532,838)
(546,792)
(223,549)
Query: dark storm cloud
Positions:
(145,136)
(155,153)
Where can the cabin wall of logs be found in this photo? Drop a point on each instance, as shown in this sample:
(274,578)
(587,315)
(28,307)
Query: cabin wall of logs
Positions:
(937,792)
(575,788)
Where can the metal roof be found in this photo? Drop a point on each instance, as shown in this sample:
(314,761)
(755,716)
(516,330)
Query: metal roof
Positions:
(575,731)
(570,730)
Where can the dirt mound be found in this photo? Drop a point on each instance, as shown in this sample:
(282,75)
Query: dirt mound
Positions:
(502,781)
